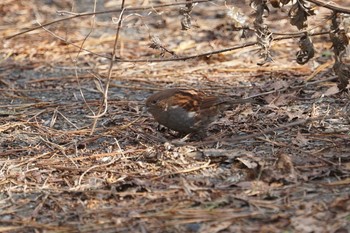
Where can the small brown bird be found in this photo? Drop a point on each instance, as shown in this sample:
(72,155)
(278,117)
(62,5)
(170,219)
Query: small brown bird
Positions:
(188,110)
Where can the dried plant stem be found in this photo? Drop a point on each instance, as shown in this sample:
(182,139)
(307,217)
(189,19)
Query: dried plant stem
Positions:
(104,103)
(103,12)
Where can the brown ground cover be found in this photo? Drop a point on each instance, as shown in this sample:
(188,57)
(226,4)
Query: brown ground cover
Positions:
(280,166)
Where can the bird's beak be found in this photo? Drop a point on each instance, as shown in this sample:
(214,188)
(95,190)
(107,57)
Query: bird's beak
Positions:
(144,109)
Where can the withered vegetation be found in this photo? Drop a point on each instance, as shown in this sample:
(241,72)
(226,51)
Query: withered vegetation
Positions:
(78,153)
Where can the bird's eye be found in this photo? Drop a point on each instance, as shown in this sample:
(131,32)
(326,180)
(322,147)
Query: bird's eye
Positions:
(154,101)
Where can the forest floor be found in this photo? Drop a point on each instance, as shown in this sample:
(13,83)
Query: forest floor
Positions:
(283,165)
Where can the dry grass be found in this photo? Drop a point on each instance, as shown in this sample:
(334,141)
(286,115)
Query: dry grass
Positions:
(56,175)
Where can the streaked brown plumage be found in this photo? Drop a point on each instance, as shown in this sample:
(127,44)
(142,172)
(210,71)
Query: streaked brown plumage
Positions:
(188,110)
